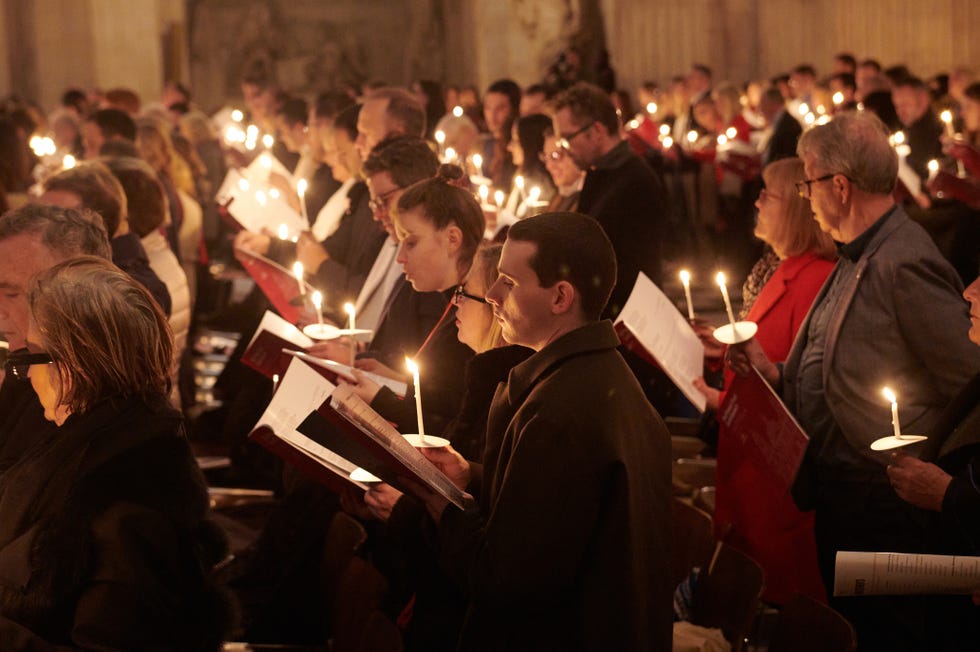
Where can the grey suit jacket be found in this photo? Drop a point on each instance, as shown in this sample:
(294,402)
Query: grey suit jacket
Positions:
(901,323)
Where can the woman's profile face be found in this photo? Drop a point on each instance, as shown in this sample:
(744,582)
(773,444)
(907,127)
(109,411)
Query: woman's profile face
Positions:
(428,255)
(46,384)
(515,149)
(473,317)
(772,208)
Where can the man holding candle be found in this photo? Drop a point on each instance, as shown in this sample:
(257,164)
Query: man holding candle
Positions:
(569,547)
(920,124)
(889,314)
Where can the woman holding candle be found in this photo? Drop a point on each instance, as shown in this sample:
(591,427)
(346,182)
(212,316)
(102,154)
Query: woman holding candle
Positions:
(525,147)
(762,519)
(439,227)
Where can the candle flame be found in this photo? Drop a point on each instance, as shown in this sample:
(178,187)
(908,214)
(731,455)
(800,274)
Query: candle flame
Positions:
(68,162)
(692,136)
(664,130)
(484,192)
(933,166)
(685,277)
(722,139)
(499,197)
(266,161)
(412,367)
(317,299)
(652,108)
(237,115)
(668,142)
(731,132)
(243,184)
(477,161)
(899,137)
(804,108)
(268,141)
(946,116)
(440,136)
(298,270)
(301,187)
(720,279)
(534,193)
(519,181)
(349,308)
(458,111)
(889,395)
(260,197)
(450,153)
(838,98)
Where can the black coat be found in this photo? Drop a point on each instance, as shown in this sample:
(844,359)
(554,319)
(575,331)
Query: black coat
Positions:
(628,199)
(22,422)
(104,542)
(569,548)
(785,134)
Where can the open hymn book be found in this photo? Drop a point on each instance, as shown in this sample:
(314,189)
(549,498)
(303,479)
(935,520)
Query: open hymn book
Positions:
(327,432)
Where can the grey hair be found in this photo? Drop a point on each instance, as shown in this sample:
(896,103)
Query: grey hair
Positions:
(856,145)
(68,232)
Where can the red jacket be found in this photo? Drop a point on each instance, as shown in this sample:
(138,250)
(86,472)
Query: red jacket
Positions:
(752,512)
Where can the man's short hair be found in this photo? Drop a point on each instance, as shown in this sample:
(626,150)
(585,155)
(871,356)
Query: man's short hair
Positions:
(330,104)
(509,88)
(294,111)
(702,69)
(871,63)
(113,122)
(846,79)
(912,83)
(145,200)
(589,103)
(404,109)
(854,144)
(571,247)
(805,69)
(408,160)
(97,188)
(68,232)
(847,59)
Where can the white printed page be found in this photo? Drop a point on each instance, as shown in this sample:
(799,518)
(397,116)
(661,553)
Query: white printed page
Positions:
(280,327)
(664,332)
(347,373)
(894,573)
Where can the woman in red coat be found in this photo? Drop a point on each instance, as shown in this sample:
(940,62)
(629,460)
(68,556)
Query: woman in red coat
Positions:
(753,512)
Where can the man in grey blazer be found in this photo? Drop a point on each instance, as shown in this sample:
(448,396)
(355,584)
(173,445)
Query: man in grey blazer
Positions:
(889,315)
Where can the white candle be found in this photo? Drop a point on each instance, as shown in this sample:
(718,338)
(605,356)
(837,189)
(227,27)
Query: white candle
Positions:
(450,155)
(275,382)
(498,198)
(668,142)
(933,167)
(318,304)
(298,273)
(268,141)
(440,137)
(720,279)
(947,118)
(478,163)
(237,115)
(349,309)
(651,107)
(301,191)
(731,132)
(458,111)
(418,396)
(838,98)
(519,183)
(283,231)
(484,193)
(664,130)
(692,136)
(686,282)
(890,395)
(68,162)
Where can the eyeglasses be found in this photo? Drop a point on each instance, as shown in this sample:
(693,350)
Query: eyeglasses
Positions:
(554,156)
(803,187)
(379,204)
(766,195)
(459,294)
(565,142)
(19,364)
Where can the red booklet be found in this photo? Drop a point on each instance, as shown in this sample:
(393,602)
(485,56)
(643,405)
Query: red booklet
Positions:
(763,430)
(265,351)
(277,283)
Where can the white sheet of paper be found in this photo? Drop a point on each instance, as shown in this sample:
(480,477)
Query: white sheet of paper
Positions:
(278,326)
(666,335)
(301,391)
(896,573)
(270,213)
(262,167)
(346,372)
(909,178)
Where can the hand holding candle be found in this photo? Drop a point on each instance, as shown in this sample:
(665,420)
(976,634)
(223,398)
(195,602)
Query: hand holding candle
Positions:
(947,118)
(734,332)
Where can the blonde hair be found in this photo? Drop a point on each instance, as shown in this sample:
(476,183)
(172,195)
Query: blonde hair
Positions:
(796,232)
(484,270)
(106,334)
(156,148)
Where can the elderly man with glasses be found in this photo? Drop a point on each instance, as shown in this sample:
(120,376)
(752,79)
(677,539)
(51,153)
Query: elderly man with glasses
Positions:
(890,314)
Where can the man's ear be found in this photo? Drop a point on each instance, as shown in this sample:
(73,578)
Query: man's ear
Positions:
(562,297)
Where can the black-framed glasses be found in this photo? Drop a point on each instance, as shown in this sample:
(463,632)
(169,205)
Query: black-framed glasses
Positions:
(459,294)
(380,203)
(565,142)
(803,187)
(554,156)
(19,364)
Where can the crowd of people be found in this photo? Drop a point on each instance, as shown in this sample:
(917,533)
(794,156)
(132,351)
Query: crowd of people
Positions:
(492,239)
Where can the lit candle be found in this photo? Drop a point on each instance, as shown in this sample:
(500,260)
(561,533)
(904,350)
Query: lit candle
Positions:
(720,279)
(722,140)
(298,273)
(890,395)
(933,166)
(268,141)
(731,132)
(664,130)
(899,137)
(283,231)
(275,382)
(478,162)
(458,111)
(349,309)
(68,162)
(686,282)
(668,142)
(318,304)
(692,136)
(237,115)
(534,194)
(651,108)
(947,118)
(418,397)
(804,108)
(440,137)
(498,198)
(484,193)
(838,98)
(301,191)
(519,183)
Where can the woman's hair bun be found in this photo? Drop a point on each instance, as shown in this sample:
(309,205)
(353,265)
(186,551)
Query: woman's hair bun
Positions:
(453,175)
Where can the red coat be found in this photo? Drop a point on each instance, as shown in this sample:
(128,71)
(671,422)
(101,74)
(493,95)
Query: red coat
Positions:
(758,516)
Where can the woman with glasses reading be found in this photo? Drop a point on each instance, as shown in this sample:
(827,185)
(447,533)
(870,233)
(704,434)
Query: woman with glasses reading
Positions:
(752,511)
(103,528)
